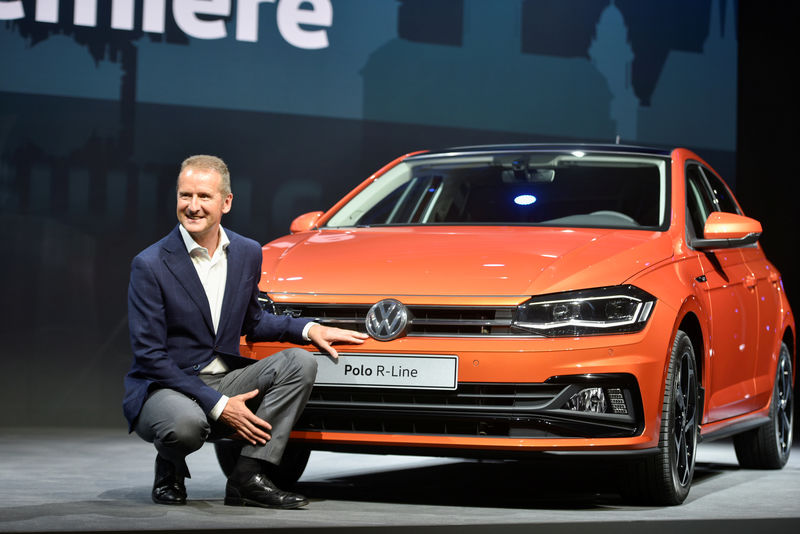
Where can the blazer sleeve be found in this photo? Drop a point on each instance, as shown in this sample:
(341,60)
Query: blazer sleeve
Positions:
(148,330)
(264,326)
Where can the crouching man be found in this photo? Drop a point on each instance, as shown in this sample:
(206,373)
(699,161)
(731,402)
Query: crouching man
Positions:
(191,296)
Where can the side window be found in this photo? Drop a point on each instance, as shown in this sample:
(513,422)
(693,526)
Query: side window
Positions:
(722,198)
(699,203)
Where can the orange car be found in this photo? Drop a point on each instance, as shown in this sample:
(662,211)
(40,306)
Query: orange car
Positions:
(541,298)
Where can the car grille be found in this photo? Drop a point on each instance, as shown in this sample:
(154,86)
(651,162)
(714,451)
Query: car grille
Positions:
(495,410)
(423,320)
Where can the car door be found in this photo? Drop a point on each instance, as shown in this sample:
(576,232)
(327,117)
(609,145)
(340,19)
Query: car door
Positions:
(728,293)
(764,278)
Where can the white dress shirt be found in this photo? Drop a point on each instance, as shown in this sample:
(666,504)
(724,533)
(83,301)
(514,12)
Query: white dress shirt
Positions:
(213,273)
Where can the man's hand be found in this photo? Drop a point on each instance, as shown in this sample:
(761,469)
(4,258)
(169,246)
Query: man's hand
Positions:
(247,425)
(324,336)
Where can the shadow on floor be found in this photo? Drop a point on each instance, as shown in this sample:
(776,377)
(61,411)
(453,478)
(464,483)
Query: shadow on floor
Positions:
(560,482)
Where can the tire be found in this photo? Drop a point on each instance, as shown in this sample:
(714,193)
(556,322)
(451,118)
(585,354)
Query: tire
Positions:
(228,451)
(769,446)
(665,478)
(285,475)
(293,463)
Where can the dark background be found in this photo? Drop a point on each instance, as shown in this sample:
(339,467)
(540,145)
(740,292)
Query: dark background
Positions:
(767,136)
(63,322)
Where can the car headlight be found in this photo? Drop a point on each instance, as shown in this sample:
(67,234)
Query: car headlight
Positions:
(603,310)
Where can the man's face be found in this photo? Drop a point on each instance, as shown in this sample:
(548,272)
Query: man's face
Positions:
(200,202)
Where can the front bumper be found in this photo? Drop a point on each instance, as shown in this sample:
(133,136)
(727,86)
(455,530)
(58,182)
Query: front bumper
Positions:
(479,409)
(511,396)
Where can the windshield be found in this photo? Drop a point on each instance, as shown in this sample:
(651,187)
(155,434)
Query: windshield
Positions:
(548,189)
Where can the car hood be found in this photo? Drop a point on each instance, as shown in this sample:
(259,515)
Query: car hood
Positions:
(475,261)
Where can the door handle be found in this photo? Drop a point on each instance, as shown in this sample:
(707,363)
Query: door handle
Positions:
(750,281)
(773,277)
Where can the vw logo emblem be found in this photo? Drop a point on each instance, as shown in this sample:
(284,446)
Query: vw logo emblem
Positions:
(387,319)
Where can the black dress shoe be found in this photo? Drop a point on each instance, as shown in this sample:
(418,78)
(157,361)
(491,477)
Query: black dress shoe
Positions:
(168,487)
(258,490)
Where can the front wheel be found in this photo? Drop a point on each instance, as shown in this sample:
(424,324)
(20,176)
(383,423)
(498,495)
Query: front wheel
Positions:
(768,446)
(665,477)
(227,451)
(293,463)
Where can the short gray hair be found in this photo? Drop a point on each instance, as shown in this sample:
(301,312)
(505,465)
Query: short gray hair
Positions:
(203,161)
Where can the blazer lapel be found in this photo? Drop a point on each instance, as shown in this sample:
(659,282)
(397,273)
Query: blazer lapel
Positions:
(180,265)
(232,281)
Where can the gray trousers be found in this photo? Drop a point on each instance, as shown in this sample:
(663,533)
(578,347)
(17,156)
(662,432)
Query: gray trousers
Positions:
(177,426)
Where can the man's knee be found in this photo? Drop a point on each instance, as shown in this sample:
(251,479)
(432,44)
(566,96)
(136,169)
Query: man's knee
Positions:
(186,432)
(295,366)
(306,364)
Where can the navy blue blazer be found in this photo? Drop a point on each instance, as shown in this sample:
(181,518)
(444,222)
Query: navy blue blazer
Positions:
(169,317)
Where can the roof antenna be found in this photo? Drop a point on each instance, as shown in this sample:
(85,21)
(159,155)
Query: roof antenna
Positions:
(617,141)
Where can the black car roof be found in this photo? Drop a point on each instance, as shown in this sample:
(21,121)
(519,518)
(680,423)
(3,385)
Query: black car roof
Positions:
(535,147)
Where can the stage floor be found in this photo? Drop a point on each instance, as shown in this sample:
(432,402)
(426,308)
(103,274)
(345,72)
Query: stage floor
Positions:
(71,480)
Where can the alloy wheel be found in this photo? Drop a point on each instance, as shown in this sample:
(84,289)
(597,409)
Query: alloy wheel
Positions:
(684,425)
(784,417)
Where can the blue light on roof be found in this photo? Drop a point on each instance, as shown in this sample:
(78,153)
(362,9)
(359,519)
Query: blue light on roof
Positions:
(524,200)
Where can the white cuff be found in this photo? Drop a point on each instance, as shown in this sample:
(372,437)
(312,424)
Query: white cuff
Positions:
(216,411)
(306,328)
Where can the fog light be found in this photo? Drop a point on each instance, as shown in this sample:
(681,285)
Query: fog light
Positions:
(588,400)
(617,401)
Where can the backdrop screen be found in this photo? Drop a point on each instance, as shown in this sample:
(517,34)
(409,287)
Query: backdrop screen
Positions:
(100,101)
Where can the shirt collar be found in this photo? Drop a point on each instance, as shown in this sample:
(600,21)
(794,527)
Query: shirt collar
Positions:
(191,244)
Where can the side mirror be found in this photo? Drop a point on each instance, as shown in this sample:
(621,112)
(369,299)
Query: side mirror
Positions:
(305,222)
(728,230)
